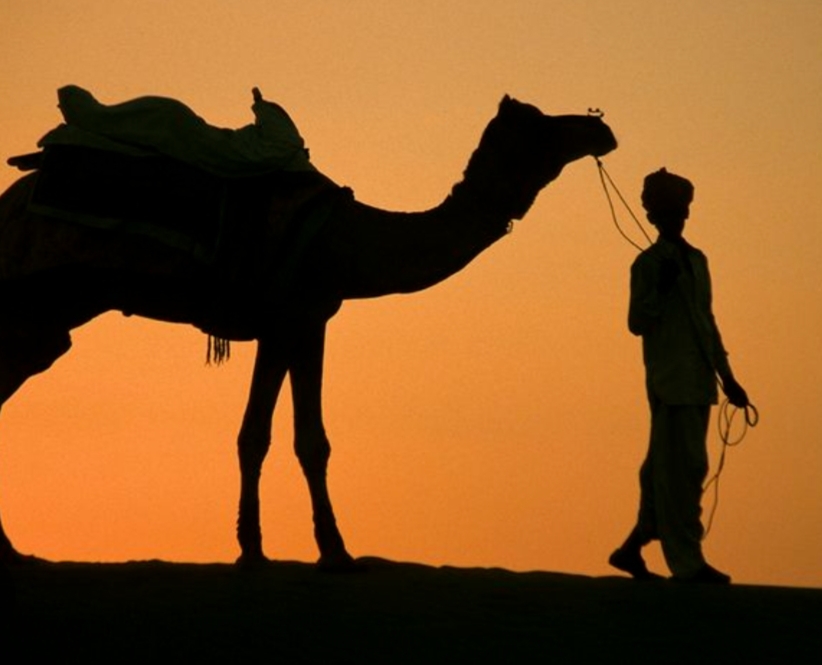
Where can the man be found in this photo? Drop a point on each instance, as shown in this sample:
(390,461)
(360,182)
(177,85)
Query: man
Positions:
(670,307)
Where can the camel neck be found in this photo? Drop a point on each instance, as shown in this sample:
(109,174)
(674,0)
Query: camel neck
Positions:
(379,252)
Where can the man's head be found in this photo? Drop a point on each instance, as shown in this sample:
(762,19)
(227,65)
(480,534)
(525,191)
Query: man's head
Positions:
(666,198)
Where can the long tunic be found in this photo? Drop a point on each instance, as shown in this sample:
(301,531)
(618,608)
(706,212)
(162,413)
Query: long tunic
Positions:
(681,344)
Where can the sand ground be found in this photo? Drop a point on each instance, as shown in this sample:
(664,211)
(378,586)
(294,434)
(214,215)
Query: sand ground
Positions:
(394,613)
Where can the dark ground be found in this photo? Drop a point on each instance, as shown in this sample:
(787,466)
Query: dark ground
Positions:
(395,613)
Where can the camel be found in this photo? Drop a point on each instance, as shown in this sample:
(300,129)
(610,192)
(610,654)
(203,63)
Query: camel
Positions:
(273,286)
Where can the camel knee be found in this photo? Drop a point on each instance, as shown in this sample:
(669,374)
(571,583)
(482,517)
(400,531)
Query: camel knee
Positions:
(313,451)
(252,449)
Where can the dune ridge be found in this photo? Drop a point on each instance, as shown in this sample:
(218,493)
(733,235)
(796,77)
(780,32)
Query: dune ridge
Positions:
(396,612)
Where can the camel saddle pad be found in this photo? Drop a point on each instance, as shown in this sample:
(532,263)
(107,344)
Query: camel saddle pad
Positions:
(154,196)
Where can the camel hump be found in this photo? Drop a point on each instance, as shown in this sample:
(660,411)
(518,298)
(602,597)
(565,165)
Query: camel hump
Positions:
(168,127)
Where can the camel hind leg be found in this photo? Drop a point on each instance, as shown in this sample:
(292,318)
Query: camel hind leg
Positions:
(253,444)
(312,447)
(25,352)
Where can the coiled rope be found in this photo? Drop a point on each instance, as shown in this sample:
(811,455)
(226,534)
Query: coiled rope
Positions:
(725,419)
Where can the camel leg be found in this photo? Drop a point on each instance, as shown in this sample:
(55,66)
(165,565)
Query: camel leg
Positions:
(311,443)
(9,383)
(24,353)
(253,443)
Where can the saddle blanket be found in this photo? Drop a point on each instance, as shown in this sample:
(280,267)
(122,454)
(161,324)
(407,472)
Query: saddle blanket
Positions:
(154,196)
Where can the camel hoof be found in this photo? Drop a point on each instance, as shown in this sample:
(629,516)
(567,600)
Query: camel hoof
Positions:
(13,558)
(252,561)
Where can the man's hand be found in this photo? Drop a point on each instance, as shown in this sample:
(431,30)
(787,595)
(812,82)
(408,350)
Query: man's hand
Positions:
(258,96)
(734,392)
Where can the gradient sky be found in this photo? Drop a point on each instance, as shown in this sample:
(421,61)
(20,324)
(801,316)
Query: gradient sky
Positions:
(498,419)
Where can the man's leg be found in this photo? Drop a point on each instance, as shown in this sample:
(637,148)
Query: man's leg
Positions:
(681,464)
(628,557)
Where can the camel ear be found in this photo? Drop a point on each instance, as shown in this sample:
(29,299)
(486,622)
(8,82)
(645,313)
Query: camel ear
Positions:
(507,102)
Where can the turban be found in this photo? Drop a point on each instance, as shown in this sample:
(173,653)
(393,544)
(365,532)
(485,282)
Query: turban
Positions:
(665,191)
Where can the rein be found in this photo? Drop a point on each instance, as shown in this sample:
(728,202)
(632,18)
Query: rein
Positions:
(603,174)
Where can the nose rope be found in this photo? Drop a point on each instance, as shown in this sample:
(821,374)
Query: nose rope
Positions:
(603,174)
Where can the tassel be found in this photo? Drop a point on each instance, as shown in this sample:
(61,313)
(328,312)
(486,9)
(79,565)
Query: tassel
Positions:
(219,350)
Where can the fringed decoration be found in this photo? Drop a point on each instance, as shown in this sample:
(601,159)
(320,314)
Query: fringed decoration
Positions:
(219,350)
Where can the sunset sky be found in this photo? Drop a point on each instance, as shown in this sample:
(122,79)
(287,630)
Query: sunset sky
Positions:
(500,418)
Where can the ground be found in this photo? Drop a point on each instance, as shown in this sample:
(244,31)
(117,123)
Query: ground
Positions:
(394,613)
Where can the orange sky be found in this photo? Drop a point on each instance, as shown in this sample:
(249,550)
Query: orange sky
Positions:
(498,419)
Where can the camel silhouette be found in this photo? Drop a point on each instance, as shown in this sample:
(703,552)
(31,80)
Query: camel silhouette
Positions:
(273,284)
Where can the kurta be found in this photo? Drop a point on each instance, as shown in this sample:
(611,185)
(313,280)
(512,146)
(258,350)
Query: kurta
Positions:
(681,344)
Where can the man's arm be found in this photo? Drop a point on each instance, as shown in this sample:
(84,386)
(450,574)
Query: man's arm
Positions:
(730,386)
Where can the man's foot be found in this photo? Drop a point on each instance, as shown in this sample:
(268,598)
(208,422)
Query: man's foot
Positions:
(631,562)
(706,575)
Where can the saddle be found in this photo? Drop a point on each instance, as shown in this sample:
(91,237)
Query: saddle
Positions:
(151,166)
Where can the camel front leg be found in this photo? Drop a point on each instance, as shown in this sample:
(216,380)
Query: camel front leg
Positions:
(311,444)
(24,352)
(253,443)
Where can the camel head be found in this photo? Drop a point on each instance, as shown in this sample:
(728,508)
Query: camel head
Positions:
(523,149)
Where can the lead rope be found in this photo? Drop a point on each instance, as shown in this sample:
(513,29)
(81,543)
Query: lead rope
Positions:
(603,174)
(727,412)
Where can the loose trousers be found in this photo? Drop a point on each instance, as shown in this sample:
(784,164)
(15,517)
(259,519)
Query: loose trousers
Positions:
(671,479)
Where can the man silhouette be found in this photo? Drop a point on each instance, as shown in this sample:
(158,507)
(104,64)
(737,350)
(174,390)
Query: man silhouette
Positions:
(670,307)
